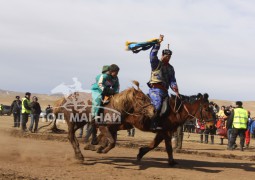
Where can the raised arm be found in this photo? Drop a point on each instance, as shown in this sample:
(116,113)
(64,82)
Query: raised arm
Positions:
(154,60)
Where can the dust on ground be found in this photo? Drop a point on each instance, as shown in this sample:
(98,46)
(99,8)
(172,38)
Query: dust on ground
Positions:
(49,156)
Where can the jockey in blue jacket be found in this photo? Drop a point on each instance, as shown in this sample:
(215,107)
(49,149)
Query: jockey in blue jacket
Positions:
(162,77)
(107,84)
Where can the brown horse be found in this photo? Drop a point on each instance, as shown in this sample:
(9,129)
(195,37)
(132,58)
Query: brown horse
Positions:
(136,110)
(182,108)
(127,103)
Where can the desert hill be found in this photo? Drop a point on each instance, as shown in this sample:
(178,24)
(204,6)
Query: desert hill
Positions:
(6,98)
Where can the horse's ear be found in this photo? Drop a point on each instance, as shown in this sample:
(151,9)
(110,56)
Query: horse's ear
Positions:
(206,96)
(136,83)
(199,95)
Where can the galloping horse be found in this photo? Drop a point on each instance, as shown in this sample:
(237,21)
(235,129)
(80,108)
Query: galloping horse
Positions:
(128,102)
(181,109)
(189,107)
(136,110)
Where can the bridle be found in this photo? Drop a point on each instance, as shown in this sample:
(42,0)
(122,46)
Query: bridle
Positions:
(200,109)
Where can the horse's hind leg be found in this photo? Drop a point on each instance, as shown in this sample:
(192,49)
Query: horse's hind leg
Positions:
(111,141)
(169,149)
(75,143)
(144,150)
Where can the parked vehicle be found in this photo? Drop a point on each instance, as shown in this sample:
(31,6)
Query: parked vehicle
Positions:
(43,114)
(6,110)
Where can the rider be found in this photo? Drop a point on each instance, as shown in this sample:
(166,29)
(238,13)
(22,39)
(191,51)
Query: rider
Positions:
(107,84)
(162,77)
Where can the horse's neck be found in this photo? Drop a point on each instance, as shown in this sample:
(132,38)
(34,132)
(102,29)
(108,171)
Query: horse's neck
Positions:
(182,114)
(119,102)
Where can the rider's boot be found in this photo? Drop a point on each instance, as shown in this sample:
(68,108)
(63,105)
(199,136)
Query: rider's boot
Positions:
(154,123)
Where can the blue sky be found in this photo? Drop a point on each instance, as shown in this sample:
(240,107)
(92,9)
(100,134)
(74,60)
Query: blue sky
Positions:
(48,42)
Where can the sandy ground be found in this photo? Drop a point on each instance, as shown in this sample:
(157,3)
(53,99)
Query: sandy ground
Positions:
(48,156)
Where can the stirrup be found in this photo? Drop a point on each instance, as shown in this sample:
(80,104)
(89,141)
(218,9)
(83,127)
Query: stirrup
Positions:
(155,127)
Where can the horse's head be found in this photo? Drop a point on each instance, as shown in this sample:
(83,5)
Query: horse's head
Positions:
(134,102)
(203,108)
(196,106)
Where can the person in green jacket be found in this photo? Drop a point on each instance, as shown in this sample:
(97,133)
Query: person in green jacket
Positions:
(107,84)
(1,109)
(25,111)
(239,119)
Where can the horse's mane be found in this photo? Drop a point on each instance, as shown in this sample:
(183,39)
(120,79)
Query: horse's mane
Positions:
(123,100)
(190,99)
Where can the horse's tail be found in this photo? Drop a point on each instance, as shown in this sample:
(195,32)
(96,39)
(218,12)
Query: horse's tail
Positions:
(55,119)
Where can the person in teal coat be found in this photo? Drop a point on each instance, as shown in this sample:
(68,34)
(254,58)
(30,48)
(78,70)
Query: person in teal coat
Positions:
(107,84)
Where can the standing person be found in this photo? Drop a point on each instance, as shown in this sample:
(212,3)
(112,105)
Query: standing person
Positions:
(239,116)
(107,84)
(162,77)
(48,110)
(26,110)
(248,132)
(229,125)
(209,130)
(1,109)
(221,123)
(178,138)
(200,124)
(131,132)
(35,114)
(16,109)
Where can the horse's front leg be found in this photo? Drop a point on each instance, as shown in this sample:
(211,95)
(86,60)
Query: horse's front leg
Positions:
(110,140)
(156,141)
(169,149)
(74,142)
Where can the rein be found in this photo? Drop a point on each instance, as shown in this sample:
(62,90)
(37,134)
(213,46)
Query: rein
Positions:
(186,109)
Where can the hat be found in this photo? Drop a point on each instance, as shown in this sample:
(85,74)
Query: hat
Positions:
(28,94)
(167,52)
(114,68)
(239,103)
(105,68)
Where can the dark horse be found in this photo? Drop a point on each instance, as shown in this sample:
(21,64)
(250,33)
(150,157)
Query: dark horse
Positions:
(182,108)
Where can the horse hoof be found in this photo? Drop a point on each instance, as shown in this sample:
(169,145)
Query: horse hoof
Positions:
(90,147)
(100,150)
(138,158)
(87,147)
(79,158)
(104,151)
(172,163)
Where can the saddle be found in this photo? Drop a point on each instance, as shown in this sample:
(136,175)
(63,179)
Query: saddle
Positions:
(106,100)
(165,109)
